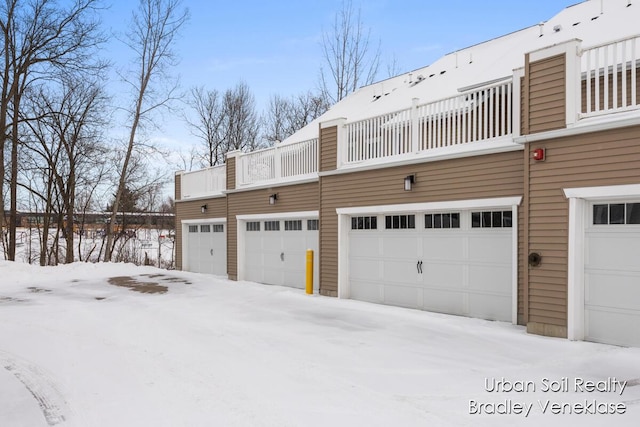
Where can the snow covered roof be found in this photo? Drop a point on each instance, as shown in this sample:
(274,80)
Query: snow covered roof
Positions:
(594,22)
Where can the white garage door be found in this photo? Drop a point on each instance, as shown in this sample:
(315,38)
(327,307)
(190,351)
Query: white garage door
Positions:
(456,262)
(276,250)
(206,248)
(612,274)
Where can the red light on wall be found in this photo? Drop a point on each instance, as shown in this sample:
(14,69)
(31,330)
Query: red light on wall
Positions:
(538,154)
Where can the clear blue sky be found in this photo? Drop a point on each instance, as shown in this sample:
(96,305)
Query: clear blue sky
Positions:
(275,46)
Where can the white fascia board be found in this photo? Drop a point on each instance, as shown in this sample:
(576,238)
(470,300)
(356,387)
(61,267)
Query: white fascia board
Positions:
(498,202)
(204,197)
(569,46)
(282,215)
(603,192)
(339,121)
(204,221)
(498,145)
(588,125)
(274,184)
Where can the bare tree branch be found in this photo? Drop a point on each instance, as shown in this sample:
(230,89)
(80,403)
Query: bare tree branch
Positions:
(155,26)
(349,59)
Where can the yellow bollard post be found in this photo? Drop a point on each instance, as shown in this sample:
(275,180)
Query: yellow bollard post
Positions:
(309,287)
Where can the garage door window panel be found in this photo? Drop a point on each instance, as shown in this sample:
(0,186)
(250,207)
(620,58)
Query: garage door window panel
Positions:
(293,225)
(442,220)
(364,223)
(205,228)
(400,222)
(193,229)
(272,226)
(492,219)
(253,226)
(616,214)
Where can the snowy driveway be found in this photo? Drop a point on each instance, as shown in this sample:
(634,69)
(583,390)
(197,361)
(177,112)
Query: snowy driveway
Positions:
(78,349)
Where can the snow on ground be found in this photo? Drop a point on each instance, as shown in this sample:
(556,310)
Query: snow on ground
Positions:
(81,345)
(149,244)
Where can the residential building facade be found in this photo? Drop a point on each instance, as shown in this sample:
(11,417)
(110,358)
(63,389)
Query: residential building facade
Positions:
(501,182)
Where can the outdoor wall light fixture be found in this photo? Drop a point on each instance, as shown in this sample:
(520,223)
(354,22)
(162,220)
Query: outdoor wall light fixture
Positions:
(272,199)
(408,182)
(203,208)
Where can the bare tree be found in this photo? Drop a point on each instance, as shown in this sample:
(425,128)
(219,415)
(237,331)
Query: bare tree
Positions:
(393,68)
(67,138)
(241,125)
(276,121)
(350,61)
(155,26)
(40,38)
(285,116)
(208,124)
(307,107)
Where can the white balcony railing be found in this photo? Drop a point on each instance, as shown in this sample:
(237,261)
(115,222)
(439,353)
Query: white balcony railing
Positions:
(205,182)
(610,74)
(472,116)
(281,162)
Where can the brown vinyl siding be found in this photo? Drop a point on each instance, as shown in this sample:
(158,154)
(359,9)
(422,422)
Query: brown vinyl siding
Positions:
(597,159)
(216,208)
(495,175)
(546,97)
(291,198)
(178,187)
(231,173)
(524,107)
(523,245)
(610,89)
(328,148)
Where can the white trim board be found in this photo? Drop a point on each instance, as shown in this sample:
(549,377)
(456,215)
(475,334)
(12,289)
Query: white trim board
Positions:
(281,215)
(188,198)
(433,206)
(578,205)
(285,182)
(203,221)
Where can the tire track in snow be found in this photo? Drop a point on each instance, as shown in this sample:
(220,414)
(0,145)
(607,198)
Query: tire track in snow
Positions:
(52,404)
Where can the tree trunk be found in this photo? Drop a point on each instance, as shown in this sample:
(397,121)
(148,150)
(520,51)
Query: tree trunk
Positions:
(13,184)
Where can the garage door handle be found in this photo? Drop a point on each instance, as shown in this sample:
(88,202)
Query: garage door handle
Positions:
(419,267)
(211,252)
(281,256)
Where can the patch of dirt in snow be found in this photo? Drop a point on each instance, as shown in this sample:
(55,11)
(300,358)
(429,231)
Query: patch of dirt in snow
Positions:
(38,290)
(165,278)
(7,300)
(143,285)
